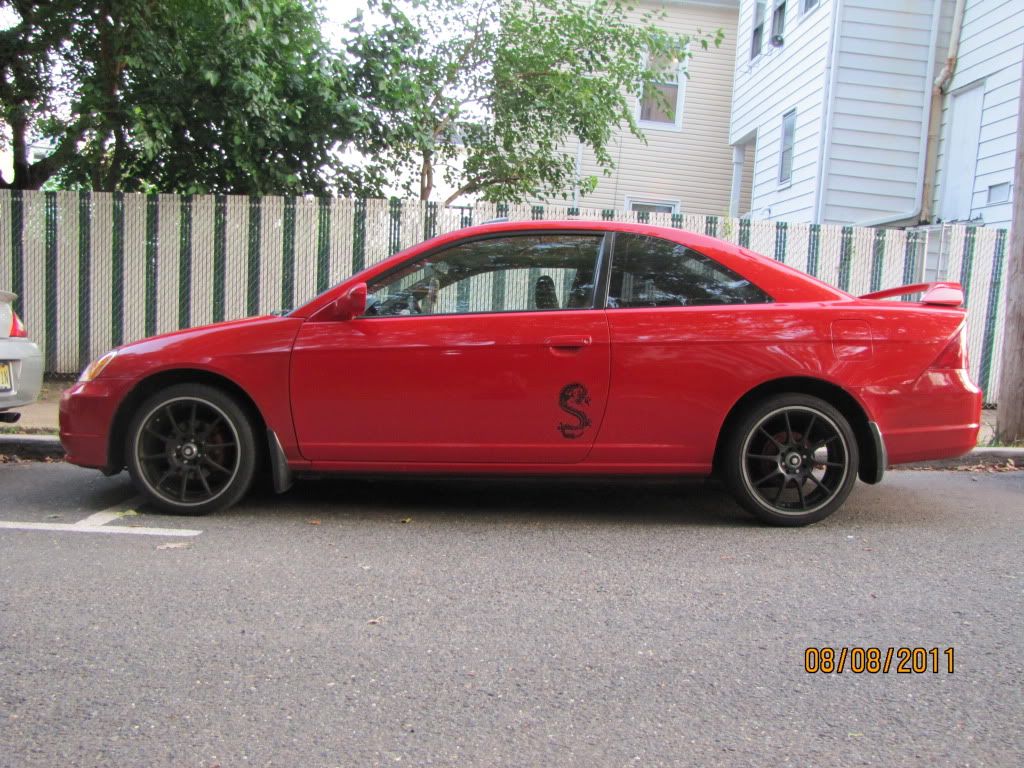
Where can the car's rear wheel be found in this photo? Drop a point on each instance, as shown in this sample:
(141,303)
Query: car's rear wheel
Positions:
(191,449)
(791,459)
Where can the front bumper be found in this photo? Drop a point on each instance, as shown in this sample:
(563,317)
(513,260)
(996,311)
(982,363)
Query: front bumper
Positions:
(26,372)
(87,411)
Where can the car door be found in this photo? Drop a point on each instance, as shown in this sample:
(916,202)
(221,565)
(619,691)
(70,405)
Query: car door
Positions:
(682,327)
(489,351)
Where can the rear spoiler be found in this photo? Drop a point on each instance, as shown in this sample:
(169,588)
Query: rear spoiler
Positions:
(940,294)
(8,296)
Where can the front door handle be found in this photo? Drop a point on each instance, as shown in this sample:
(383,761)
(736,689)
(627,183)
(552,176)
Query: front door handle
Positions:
(568,342)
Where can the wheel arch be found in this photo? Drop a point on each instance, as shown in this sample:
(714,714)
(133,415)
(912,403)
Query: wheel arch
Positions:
(161,380)
(872,452)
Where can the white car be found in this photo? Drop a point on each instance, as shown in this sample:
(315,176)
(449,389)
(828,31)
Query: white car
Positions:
(21,364)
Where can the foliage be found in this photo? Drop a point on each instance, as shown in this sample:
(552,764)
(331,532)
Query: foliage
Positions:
(239,96)
(489,92)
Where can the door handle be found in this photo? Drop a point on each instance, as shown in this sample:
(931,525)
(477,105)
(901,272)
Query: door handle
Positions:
(568,342)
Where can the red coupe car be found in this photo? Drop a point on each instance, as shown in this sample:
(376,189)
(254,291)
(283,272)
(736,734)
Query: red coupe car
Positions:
(542,348)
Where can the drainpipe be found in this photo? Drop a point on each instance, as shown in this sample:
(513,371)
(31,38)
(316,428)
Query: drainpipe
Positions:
(935,115)
(739,152)
(825,137)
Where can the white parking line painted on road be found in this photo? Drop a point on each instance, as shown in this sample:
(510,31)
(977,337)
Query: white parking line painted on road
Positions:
(97,523)
(76,528)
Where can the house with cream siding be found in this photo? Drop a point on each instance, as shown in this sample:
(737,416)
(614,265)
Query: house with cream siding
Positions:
(685,164)
(835,117)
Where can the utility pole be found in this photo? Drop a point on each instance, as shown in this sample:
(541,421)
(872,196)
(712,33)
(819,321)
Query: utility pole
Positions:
(1010,416)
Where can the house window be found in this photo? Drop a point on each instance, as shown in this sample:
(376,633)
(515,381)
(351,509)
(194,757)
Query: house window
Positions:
(999,193)
(786,153)
(758,36)
(661,103)
(651,206)
(809,5)
(778,23)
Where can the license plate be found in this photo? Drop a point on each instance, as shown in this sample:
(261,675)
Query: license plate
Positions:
(5,377)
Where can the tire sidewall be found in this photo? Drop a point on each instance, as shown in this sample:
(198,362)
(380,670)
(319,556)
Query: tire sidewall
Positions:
(241,424)
(733,457)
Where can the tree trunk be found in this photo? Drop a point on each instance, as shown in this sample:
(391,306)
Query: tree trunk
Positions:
(1010,416)
(19,146)
(426,176)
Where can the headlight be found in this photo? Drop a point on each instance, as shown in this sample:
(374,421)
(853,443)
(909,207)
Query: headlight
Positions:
(96,366)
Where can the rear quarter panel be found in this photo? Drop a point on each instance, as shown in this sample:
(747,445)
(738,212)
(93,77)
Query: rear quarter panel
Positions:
(677,372)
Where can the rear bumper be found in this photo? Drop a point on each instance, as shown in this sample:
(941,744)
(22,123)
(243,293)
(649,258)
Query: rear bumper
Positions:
(26,372)
(938,418)
(87,412)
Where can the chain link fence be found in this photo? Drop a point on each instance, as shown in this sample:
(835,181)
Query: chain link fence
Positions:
(95,270)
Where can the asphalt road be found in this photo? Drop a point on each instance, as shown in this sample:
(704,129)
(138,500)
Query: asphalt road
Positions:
(508,624)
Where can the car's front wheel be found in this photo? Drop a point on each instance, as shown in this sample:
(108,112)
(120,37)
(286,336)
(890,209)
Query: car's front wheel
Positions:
(191,449)
(791,459)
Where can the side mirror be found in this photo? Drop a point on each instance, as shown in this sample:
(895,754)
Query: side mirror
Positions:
(352,303)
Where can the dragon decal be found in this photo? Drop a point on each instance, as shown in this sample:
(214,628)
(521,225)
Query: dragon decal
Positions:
(574,394)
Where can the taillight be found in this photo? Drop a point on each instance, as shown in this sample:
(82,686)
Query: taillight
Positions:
(17,327)
(954,356)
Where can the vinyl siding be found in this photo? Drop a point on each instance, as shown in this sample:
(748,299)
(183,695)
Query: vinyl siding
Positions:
(991,50)
(692,166)
(880,103)
(778,80)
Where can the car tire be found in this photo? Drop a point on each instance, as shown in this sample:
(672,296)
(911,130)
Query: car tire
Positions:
(790,459)
(191,449)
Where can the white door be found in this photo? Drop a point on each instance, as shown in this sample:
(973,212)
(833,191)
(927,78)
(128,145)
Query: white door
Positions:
(961,152)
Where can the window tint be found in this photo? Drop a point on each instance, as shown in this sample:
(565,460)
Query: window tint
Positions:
(506,274)
(651,272)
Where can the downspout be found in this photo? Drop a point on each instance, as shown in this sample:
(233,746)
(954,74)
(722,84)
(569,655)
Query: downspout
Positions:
(935,115)
(824,138)
(739,153)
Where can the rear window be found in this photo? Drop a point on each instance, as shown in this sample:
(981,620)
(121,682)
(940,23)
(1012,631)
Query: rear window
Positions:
(652,272)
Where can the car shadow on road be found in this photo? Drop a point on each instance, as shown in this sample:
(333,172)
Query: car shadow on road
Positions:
(487,500)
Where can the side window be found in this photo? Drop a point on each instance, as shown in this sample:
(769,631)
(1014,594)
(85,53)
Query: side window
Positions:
(651,272)
(500,274)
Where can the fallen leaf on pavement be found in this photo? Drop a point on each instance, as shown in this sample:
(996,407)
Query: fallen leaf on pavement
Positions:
(378,620)
(313,522)
(405,520)
(175,545)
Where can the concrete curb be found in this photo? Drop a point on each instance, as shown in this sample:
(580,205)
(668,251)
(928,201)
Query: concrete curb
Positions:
(983,456)
(47,446)
(31,446)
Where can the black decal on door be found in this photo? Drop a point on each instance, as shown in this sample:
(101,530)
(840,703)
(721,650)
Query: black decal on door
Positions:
(574,395)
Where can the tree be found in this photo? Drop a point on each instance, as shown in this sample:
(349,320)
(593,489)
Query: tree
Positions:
(489,92)
(1010,417)
(240,96)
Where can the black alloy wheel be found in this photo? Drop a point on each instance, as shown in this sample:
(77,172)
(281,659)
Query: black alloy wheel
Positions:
(191,450)
(792,460)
